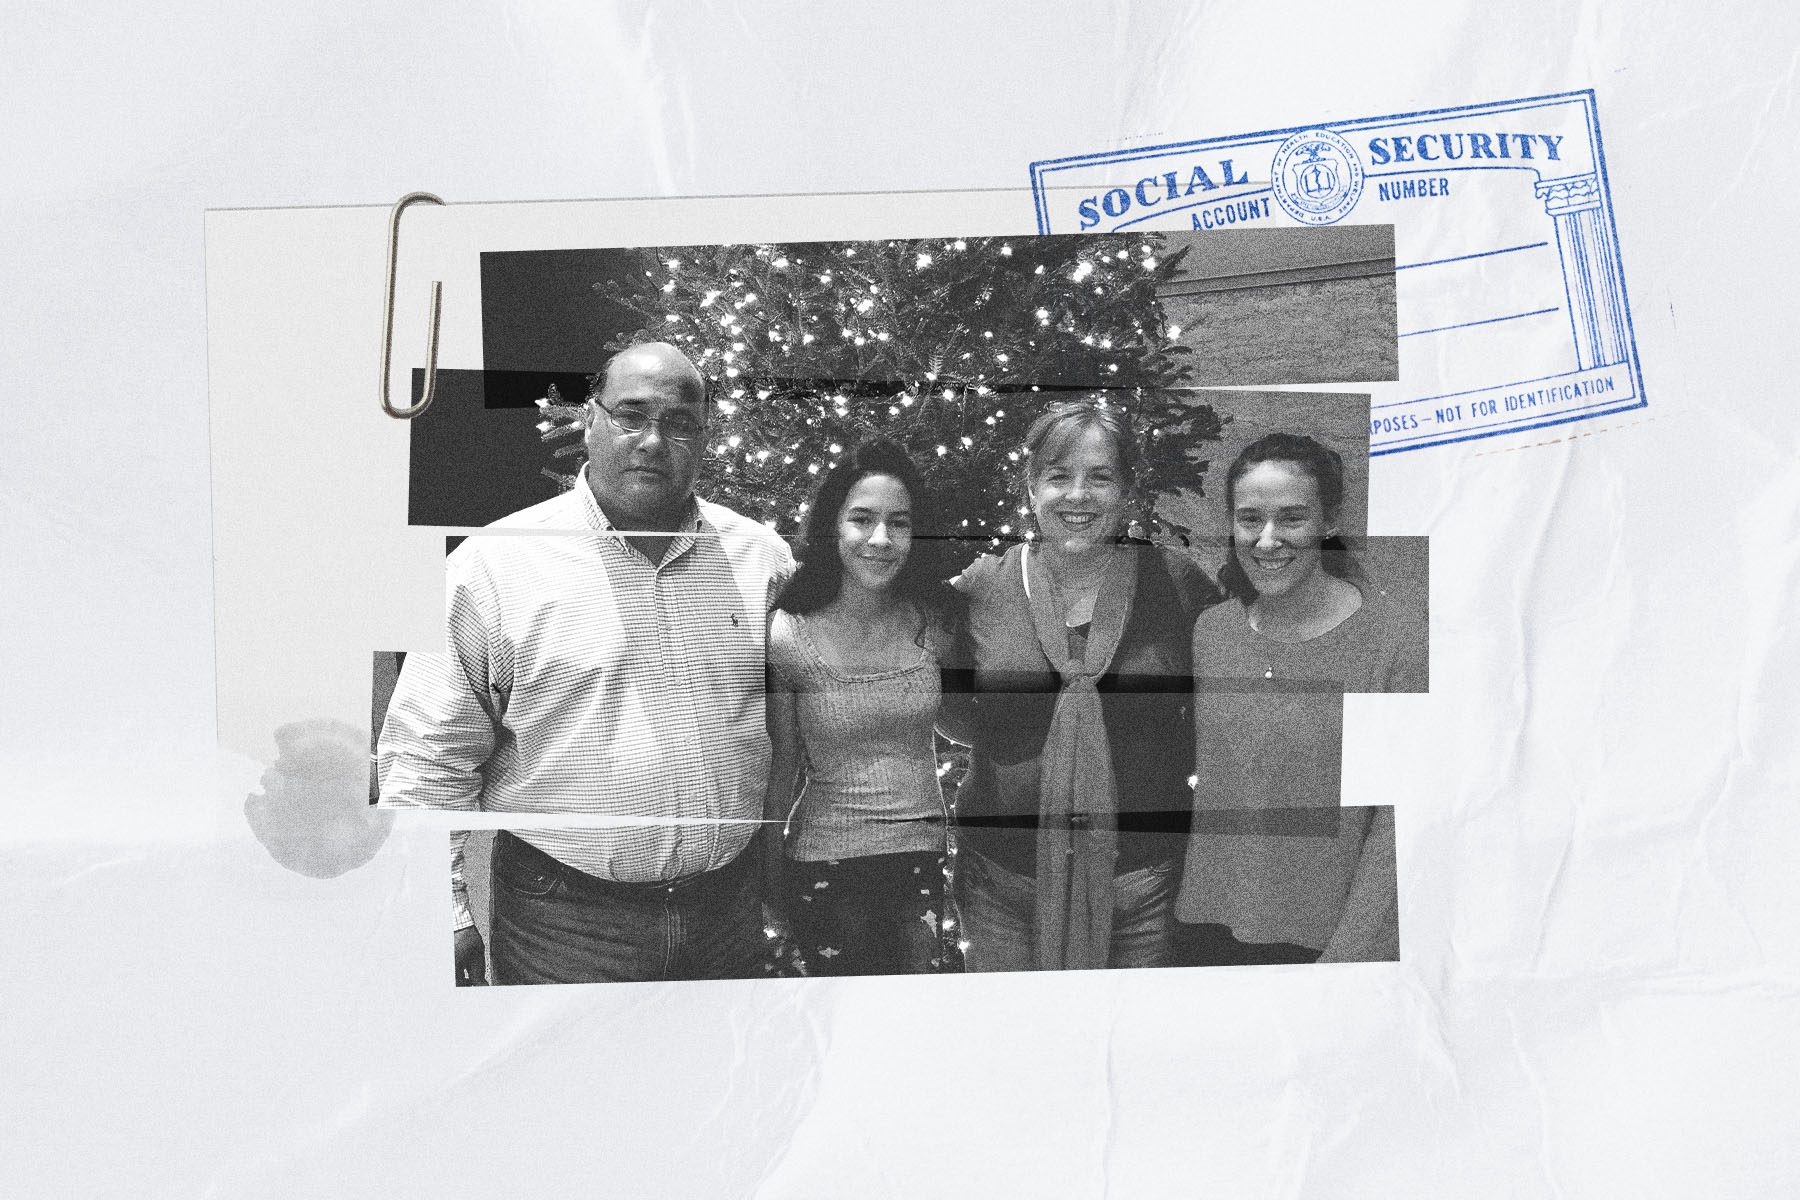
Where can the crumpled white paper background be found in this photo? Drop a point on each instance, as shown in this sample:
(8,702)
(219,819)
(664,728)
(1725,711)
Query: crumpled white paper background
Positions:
(1596,802)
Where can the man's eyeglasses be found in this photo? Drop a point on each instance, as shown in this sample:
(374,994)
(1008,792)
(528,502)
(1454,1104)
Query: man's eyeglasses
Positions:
(680,427)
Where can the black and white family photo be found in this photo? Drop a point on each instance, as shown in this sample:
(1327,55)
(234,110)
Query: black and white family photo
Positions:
(910,607)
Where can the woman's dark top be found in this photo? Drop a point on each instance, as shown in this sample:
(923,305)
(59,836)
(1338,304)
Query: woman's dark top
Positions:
(1145,695)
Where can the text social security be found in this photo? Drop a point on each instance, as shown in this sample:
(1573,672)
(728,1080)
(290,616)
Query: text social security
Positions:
(1153,190)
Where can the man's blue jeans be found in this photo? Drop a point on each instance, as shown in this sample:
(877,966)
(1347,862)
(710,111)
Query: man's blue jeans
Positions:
(554,924)
(999,907)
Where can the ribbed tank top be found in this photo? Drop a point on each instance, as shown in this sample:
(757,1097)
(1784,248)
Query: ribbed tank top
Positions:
(871,783)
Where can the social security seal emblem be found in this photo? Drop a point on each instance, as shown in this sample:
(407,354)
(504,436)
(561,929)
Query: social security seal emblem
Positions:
(1316,176)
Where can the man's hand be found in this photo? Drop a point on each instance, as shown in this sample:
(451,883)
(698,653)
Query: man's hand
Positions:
(471,958)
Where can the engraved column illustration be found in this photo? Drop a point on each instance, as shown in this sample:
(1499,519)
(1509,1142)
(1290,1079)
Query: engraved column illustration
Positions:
(1590,269)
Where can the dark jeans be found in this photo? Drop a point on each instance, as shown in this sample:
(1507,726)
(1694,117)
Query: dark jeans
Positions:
(879,914)
(554,924)
(1215,946)
(999,909)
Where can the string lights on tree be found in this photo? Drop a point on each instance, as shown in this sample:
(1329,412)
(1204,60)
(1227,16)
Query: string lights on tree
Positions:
(949,346)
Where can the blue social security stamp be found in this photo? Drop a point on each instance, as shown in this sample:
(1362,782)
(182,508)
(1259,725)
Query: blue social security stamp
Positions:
(1511,300)
(1316,177)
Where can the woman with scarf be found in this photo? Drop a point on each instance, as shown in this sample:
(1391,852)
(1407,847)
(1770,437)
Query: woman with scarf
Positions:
(1077,660)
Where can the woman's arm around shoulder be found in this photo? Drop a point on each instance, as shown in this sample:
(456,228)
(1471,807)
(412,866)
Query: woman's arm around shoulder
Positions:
(1193,585)
(949,641)
(977,578)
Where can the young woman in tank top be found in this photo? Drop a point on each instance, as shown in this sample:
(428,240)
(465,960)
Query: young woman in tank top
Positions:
(855,642)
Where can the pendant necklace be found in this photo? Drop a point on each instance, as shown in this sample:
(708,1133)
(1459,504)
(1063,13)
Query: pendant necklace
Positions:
(1250,620)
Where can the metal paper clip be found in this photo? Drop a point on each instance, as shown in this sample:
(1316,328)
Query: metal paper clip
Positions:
(387,330)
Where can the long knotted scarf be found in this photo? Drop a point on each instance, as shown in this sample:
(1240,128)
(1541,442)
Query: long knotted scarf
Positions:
(1078,796)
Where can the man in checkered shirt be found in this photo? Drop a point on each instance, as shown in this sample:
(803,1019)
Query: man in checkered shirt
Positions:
(606,660)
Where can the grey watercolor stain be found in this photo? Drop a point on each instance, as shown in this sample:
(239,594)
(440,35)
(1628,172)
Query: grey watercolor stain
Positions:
(313,813)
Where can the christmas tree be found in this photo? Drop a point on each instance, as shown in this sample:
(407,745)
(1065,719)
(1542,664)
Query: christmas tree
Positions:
(949,346)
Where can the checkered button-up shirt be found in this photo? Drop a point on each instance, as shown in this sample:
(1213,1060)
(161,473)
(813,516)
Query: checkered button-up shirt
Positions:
(583,678)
